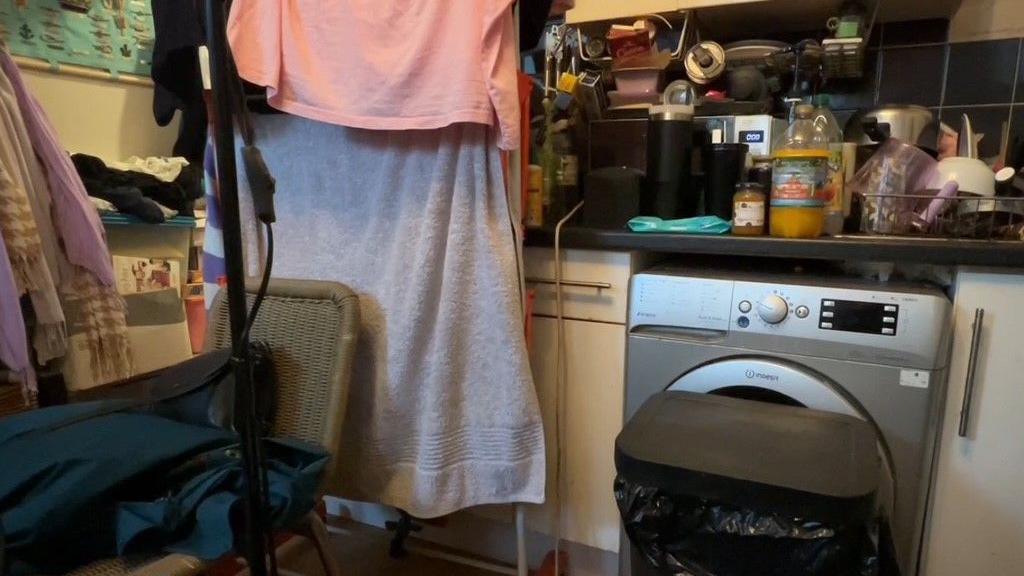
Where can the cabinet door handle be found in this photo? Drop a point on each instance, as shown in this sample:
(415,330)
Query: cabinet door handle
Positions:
(972,367)
(573,283)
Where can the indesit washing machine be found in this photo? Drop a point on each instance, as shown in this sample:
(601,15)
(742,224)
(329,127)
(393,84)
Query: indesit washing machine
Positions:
(871,350)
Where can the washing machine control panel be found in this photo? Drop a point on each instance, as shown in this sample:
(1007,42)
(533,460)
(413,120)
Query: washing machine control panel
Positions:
(855,316)
(861,317)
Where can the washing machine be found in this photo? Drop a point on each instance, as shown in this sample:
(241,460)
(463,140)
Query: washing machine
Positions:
(875,351)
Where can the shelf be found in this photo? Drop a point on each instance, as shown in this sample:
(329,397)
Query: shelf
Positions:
(1001,253)
(755,18)
(129,220)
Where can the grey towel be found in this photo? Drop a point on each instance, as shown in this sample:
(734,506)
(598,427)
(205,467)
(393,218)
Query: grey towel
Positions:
(443,414)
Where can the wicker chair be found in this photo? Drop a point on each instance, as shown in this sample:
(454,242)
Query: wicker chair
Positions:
(311,327)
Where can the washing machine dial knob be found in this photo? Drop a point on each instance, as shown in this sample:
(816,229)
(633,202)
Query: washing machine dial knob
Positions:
(773,309)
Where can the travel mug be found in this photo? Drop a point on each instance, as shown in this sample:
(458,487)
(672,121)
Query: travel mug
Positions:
(723,168)
(668,192)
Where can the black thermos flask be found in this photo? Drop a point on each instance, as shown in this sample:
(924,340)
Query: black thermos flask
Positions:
(669,192)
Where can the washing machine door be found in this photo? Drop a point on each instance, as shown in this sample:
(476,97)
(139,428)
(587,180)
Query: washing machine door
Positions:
(770,380)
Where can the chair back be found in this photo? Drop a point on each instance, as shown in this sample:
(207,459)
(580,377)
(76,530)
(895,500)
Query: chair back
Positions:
(311,327)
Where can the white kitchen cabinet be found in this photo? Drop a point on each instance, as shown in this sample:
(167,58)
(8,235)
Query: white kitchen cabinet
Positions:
(595,283)
(976,522)
(594,367)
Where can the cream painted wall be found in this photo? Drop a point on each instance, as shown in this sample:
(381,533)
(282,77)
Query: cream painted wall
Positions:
(987,20)
(112,120)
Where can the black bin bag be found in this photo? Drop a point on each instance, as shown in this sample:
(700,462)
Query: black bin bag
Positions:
(715,486)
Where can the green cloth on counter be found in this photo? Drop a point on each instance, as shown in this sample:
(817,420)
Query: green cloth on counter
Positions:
(696,225)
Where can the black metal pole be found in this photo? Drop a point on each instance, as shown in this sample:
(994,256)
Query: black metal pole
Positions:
(227,181)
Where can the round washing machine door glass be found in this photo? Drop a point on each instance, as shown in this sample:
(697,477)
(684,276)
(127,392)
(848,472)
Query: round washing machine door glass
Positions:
(768,380)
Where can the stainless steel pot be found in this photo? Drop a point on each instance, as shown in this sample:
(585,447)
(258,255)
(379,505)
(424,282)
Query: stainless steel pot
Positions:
(908,123)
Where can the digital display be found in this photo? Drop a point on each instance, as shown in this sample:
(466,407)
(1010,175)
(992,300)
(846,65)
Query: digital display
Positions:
(863,317)
(751,136)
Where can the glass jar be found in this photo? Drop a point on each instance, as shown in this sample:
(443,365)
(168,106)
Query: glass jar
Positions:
(797,219)
(748,206)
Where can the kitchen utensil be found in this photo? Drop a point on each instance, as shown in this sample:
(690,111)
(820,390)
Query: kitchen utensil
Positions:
(723,169)
(850,22)
(680,92)
(635,81)
(595,47)
(669,158)
(618,100)
(751,52)
(626,41)
(705,62)
(887,181)
(747,83)
(591,94)
(972,175)
(1009,182)
(938,205)
(967,146)
(915,125)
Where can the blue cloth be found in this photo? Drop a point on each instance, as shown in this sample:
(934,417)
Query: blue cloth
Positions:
(696,225)
(85,481)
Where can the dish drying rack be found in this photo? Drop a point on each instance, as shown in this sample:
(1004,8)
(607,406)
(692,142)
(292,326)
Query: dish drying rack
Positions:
(959,217)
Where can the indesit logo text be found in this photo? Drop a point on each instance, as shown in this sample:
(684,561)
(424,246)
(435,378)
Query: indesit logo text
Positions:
(755,375)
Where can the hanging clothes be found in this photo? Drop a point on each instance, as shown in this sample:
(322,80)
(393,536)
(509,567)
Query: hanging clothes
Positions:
(79,225)
(383,64)
(70,230)
(413,215)
(28,231)
(13,340)
(176,81)
(442,412)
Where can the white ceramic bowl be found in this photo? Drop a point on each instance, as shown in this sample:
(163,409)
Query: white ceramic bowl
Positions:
(973,175)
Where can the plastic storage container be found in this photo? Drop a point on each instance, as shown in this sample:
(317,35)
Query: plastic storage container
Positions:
(833,193)
(799,174)
(716,485)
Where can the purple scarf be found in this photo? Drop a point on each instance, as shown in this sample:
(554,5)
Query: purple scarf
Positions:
(13,339)
(76,219)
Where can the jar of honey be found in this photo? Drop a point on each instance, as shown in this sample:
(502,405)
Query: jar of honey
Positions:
(748,206)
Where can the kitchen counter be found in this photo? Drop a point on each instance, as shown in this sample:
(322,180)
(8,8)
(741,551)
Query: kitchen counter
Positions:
(941,251)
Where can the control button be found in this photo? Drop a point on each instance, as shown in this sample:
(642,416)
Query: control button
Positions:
(773,309)
(890,308)
(743,321)
(745,306)
(828,303)
(888,320)
(826,325)
(827,314)
(802,311)
(888,331)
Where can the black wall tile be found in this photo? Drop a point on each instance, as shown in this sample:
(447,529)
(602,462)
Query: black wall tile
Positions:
(1019,94)
(987,120)
(912,75)
(981,72)
(852,93)
(875,40)
(1016,151)
(930,31)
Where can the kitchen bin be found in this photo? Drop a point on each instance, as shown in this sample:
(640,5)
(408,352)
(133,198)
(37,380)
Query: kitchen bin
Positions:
(713,485)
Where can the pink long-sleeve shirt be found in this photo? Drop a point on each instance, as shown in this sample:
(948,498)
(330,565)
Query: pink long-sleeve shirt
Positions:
(383,64)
